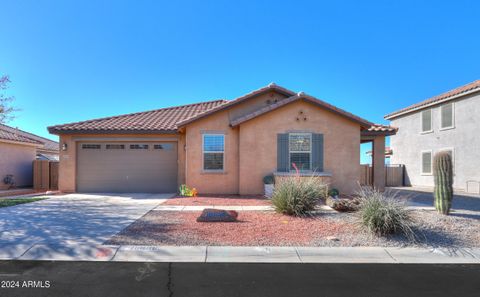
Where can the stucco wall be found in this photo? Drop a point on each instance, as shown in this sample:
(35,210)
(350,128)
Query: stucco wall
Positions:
(464,138)
(17,160)
(68,158)
(255,103)
(258,145)
(225,182)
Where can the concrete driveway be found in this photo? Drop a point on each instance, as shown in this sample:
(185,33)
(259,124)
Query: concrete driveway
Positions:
(72,219)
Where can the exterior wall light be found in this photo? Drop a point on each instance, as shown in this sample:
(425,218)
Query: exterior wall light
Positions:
(64,146)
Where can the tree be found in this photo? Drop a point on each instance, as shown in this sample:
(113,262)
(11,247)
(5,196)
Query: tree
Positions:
(6,110)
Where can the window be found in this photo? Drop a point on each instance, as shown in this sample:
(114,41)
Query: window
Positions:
(115,146)
(446,116)
(139,146)
(427,121)
(213,152)
(427,162)
(165,146)
(300,150)
(91,146)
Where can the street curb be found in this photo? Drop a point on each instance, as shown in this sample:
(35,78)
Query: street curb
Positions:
(258,254)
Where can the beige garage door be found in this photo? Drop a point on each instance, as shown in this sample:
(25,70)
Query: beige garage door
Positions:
(127,167)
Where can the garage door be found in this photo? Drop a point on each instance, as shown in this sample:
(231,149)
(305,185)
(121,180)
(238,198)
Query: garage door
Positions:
(127,167)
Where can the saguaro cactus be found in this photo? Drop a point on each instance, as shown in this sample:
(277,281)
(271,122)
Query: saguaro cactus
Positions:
(443,178)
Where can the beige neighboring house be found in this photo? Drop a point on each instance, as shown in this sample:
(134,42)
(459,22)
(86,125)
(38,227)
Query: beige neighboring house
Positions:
(219,147)
(18,150)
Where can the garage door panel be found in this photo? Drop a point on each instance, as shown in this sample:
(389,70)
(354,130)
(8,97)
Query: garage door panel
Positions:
(127,170)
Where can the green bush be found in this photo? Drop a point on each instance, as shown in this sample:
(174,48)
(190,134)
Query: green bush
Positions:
(382,213)
(269,179)
(333,192)
(297,196)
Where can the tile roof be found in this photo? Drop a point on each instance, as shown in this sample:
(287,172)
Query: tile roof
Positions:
(270,87)
(11,136)
(450,95)
(301,96)
(168,120)
(382,128)
(162,120)
(14,134)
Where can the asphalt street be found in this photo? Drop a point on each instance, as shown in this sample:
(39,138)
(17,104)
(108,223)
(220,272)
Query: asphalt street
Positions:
(57,278)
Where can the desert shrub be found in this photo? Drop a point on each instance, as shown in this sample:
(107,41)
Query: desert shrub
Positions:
(269,179)
(297,196)
(382,213)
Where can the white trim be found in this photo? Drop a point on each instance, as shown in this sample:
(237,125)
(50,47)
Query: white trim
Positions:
(431,163)
(309,151)
(396,115)
(431,121)
(453,117)
(213,152)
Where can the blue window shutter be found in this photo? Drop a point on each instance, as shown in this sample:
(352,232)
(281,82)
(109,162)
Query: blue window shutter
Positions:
(317,152)
(282,153)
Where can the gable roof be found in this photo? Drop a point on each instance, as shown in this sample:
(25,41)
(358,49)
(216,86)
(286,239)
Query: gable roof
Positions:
(162,120)
(170,119)
(447,96)
(14,134)
(302,96)
(269,88)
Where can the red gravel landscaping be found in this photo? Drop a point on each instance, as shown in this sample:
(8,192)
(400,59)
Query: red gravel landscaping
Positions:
(253,228)
(230,200)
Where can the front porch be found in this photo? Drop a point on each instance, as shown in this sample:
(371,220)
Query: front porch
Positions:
(376,136)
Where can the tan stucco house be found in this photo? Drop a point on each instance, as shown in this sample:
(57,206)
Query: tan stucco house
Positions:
(219,147)
(18,150)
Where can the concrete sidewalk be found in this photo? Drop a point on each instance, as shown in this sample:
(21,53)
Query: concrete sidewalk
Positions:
(241,254)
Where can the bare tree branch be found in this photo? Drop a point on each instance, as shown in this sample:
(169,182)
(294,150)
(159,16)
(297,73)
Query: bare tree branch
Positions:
(6,110)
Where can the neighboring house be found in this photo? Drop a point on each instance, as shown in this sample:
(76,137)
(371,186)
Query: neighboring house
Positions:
(447,122)
(218,147)
(18,149)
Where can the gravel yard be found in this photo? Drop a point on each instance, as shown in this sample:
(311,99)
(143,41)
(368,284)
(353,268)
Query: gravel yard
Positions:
(219,200)
(325,228)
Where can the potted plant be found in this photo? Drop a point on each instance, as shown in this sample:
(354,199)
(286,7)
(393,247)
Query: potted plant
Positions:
(268,182)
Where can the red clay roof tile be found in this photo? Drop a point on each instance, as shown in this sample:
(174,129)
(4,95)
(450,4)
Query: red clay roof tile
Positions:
(162,120)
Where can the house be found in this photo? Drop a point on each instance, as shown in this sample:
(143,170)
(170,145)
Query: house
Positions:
(447,122)
(219,147)
(18,149)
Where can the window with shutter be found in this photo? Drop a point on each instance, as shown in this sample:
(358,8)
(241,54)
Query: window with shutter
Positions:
(427,120)
(300,151)
(427,162)
(446,116)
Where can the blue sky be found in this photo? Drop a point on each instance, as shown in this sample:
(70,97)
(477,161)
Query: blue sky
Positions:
(77,60)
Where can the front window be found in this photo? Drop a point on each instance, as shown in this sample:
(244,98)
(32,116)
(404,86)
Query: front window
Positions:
(427,162)
(300,151)
(446,116)
(213,152)
(427,120)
